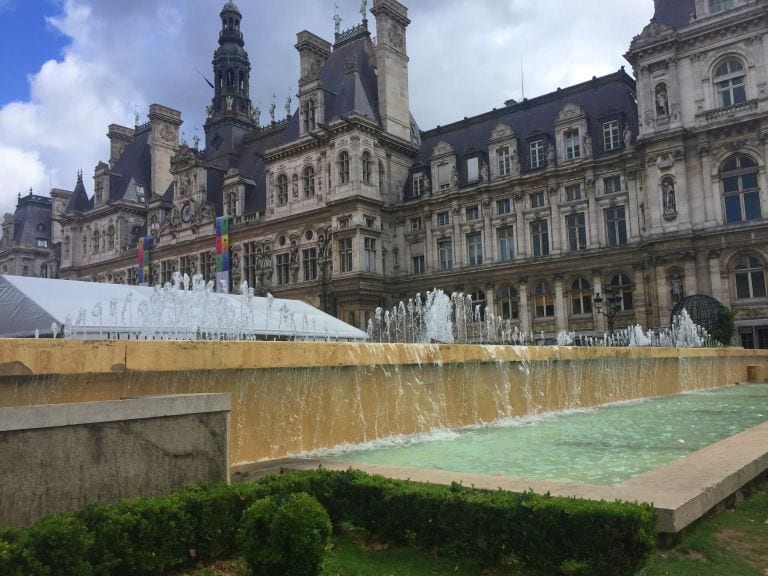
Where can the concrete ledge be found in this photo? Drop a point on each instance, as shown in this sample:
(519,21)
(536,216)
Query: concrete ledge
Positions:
(757,373)
(681,491)
(56,415)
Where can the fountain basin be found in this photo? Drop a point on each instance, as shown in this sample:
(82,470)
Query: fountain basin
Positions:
(293,397)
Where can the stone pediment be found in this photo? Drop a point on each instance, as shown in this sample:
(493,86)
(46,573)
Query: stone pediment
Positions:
(569,112)
(502,132)
(442,149)
(652,31)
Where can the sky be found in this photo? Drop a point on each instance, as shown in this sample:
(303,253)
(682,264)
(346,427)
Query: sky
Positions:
(69,68)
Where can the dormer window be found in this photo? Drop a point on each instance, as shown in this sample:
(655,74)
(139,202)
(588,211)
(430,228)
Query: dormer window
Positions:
(444,176)
(717,6)
(418,184)
(536,148)
(473,169)
(504,160)
(42,243)
(611,135)
(729,83)
(572,144)
(140,194)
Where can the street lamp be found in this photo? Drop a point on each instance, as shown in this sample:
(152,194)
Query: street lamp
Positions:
(613,306)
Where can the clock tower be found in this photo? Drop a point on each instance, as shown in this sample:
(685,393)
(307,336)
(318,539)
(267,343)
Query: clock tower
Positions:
(230,115)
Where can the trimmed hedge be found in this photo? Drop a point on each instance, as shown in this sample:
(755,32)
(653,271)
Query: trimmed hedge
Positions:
(154,535)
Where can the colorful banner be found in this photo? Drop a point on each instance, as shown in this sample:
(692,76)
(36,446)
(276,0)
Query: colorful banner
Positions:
(222,254)
(144,273)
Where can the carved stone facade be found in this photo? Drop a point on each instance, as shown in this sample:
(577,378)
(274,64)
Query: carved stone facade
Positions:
(653,189)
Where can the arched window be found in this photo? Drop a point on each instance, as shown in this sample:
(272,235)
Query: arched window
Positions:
(741,194)
(111,238)
(508,303)
(367,167)
(730,83)
(478,305)
(343,168)
(621,284)
(544,301)
(581,297)
(309,182)
(230,78)
(241,82)
(749,274)
(282,190)
(381,177)
(310,115)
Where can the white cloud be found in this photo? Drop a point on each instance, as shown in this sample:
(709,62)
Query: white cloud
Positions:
(464,59)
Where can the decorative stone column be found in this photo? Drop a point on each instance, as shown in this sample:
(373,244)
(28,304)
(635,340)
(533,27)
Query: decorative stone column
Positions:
(714,275)
(525,319)
(560,312)
(487,232)
(430,250)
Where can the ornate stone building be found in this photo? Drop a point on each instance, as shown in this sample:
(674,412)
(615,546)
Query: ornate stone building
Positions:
(647,190)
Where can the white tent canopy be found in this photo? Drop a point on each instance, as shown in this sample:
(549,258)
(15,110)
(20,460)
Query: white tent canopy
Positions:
(88,310)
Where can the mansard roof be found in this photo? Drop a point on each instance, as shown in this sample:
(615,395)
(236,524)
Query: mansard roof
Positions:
(350,81)
(79,201)
(32,220)
(599,98)
(675,13)
(134,165)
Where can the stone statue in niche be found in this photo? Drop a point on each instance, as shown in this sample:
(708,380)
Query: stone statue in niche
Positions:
(551,156)
(677,289)
(627,138)
(668,196)
(229,101)
(587,146)
(484,171)
(662,101)
(455,177)
(515,161)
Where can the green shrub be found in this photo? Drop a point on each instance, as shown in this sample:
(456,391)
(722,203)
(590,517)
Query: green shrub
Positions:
(11,561)
(285,536)
(57,546)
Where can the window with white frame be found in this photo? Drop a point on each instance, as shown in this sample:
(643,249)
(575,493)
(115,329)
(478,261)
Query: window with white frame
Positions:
(417,264)
(749,276)
(506,243)
(741,194)
(443,218)
(576,224)
(445,253)
(612,184)
(343,165)
(370,254)
(504,206)
(544,301)
(536,154)
(540,238)
(283,268)
(345,254)
(504,160)
(581,297)
(616,225)
(621,284)
(475,248)
(415,224)
(418,184)
(367,161)
(472,212)
(572,143)
(309,182)
(729,81)
(309,263)
(573,192)
(282,190)
(611,135)
(509,303)
(537,200)
(473,169)
(717,6)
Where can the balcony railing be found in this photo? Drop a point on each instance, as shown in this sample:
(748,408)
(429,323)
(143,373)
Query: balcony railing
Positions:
(732,110)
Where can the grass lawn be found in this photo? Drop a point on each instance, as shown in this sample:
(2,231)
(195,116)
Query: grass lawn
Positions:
(734,543)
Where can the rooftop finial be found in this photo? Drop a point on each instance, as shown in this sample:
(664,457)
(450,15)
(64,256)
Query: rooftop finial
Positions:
(337,20)
(272,109)
(288,104)
(136,116)
(364,9)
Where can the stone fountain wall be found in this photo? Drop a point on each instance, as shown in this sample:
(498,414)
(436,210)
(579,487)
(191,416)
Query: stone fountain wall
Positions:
(292,397)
